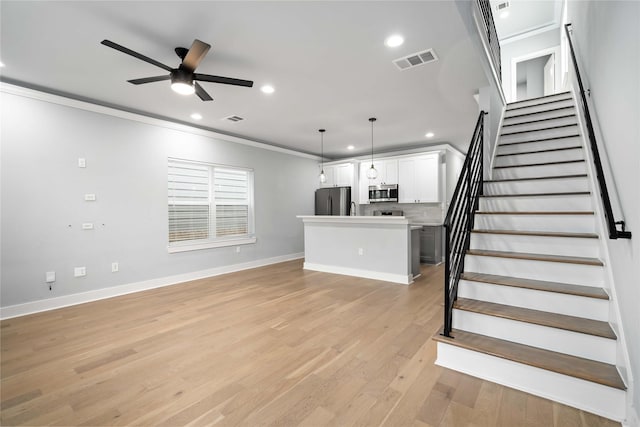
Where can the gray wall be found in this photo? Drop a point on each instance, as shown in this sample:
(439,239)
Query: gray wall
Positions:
(607,38)
(43,203)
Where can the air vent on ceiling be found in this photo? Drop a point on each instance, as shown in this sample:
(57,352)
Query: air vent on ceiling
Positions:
(416,59)
(234,118)
(502,6)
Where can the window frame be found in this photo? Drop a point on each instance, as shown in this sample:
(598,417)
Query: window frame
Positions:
(214,242)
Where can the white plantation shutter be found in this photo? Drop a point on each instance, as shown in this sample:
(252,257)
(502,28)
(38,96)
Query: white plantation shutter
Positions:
(209,203)
(231,198)
(189,204)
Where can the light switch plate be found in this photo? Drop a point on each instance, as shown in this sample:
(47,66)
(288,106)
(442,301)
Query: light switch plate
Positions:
(50,277)
(82,163)
(79,272)
(90,197)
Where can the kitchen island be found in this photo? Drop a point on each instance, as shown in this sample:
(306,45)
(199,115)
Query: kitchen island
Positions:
(374,247)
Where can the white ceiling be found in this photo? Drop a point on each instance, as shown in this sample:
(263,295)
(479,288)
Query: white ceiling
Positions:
(326,60)
(526,16)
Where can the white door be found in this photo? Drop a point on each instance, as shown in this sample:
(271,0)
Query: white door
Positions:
(549,77)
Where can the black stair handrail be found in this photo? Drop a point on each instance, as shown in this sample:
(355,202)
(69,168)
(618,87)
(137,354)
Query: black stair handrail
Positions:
(614,233)
(492,35)
(459,220)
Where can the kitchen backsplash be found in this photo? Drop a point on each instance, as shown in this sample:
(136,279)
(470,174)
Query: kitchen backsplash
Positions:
(416,212)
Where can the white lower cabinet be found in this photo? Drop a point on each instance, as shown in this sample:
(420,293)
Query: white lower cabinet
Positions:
(418,179)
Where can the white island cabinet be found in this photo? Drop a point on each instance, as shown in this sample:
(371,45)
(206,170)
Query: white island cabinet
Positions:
(362,246)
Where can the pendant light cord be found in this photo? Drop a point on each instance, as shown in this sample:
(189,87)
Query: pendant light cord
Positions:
(321,149)
(372,119)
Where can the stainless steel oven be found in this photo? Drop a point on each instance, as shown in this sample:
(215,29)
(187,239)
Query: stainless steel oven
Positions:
(383,193)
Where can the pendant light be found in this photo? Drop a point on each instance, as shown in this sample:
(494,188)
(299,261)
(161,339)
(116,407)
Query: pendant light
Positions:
(323,177)
(372,173)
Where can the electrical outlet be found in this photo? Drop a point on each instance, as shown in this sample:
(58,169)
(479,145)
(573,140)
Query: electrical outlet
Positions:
(90,197)
(237,249)
(360,251)
(79,271)
(82,163)
(115,267)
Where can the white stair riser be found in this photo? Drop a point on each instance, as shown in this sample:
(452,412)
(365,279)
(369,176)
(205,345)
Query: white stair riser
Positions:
(540,145)
(507,137)
(539,171)
(535,124)
(538,203)
(570,305)
(566,246)
(537,186)
(544,157)
(553,113)
(553,339)
(566,223)
(574,274)
(588,396)
(538,105)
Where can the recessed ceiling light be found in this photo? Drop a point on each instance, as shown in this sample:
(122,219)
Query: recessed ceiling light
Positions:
(429,135)
(350,147)
(394,40)
(196,116)
(267,89)
(504,14)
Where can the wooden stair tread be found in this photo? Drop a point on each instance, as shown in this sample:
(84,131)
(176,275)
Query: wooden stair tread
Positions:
(538,233)
(566,116)
(504,144)
(538,285)
(543,318)
(539,130)
(523,165)
(534,213)
(538,112)
(583,175)
(536,257)
(549,150)
(570,193)
(577,367)
(536,105)
(566,92)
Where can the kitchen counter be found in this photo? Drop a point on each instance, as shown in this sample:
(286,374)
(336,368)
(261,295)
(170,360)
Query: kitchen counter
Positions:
(374,247)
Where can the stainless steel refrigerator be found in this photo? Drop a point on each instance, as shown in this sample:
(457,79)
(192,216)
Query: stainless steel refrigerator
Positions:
(333,201)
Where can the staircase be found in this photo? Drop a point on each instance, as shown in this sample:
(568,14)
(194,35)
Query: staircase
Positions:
(532,311)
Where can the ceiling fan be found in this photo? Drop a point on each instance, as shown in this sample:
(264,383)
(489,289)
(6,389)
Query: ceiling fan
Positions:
(184,79)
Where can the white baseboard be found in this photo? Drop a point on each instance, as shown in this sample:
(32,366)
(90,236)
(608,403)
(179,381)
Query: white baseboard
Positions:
(98,294)
(367,274)
(633,419)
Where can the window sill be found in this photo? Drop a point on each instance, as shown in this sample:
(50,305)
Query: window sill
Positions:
(191,246)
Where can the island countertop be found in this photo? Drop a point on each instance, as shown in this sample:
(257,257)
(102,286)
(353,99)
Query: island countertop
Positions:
(356,219)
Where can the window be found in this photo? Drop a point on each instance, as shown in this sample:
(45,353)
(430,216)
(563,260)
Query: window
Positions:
(209,206)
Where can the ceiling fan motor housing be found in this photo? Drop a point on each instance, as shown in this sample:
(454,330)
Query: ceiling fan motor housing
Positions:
(180,75)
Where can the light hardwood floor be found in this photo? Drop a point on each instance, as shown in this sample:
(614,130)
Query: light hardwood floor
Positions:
(270,346)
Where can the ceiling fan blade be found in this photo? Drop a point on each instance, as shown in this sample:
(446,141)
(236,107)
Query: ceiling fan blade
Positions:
(202,94)
(196,53)
(223,80)
(135,54)
(149,79)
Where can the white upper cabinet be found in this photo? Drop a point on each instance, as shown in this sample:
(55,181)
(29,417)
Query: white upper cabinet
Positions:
(339,175)
(418,179)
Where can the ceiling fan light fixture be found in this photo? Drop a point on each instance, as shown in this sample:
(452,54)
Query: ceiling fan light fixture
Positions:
(182,82)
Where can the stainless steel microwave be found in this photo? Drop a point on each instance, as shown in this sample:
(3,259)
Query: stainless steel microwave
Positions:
(383,193)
